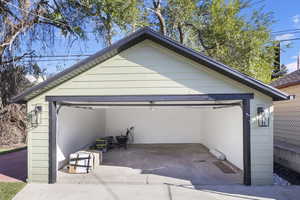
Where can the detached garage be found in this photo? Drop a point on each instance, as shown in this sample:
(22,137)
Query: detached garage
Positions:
(186,109)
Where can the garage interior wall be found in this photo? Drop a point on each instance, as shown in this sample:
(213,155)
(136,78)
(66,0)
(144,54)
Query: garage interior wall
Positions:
(223,130)
(77,128)
(157,125)
(219,129)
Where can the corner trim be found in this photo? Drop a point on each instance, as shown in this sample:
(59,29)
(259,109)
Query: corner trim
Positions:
(52,173)
(246,141)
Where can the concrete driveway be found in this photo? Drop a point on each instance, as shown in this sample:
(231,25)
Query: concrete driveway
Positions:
(157,192)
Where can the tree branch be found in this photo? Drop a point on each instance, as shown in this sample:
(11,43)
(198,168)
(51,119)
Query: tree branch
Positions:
(157,11)
(181,33)
(15,59)
(4,9)
(200,37)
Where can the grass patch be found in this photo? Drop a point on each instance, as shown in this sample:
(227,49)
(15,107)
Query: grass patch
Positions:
(9,189)
(10,150)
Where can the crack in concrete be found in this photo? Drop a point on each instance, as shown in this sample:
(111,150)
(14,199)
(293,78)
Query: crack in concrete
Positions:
(169,192)
(108,189)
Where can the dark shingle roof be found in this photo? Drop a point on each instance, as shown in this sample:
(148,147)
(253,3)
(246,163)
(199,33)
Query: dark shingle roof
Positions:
(288,80)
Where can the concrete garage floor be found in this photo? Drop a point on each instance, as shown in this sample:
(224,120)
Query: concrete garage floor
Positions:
(176,164)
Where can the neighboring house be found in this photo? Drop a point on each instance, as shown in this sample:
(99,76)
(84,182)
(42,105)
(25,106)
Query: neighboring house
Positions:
(147,69)
(287,123)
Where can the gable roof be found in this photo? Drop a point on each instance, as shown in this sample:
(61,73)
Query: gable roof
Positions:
(131,40)
(287,80)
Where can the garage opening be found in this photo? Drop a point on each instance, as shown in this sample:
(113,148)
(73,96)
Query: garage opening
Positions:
(173,142)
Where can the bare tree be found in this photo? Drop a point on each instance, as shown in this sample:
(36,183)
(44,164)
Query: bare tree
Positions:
(23,22)
(18,17)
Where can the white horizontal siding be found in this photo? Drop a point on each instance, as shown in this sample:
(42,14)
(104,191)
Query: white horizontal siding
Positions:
(287,118)
(38,178)
(261,145)
(38,145)
(132,72)
(41,171)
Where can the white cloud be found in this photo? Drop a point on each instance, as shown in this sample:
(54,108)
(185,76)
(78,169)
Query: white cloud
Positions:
(33,79)
(292,66)
(294,57)
(296,20)
(285,37)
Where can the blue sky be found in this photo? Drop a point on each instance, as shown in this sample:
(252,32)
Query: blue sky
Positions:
(286,14)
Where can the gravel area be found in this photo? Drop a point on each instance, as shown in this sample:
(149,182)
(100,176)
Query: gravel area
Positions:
(277,180)
(283,176)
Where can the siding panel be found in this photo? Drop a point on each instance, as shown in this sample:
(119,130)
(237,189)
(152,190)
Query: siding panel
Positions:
(287,118)
(38,164)
(40,156)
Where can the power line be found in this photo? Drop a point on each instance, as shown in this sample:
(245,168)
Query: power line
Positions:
(286,30)
(292,32)
(37,58)
(50,60)
(292,39)
(58,56)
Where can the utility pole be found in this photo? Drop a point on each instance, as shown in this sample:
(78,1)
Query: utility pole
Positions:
(298,62)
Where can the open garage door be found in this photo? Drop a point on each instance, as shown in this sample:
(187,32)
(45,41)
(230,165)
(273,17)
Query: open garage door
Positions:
(190,124)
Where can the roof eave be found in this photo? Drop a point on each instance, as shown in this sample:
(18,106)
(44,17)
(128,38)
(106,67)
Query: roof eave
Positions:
(147,33)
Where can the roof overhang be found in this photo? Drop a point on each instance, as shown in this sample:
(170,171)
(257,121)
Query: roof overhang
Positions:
(131,40)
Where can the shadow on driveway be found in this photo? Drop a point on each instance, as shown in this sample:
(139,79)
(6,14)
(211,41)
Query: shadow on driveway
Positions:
(13,166)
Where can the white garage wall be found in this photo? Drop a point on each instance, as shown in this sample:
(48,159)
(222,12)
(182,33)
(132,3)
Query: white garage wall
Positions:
(179,125)
(77,128)
(223,130)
